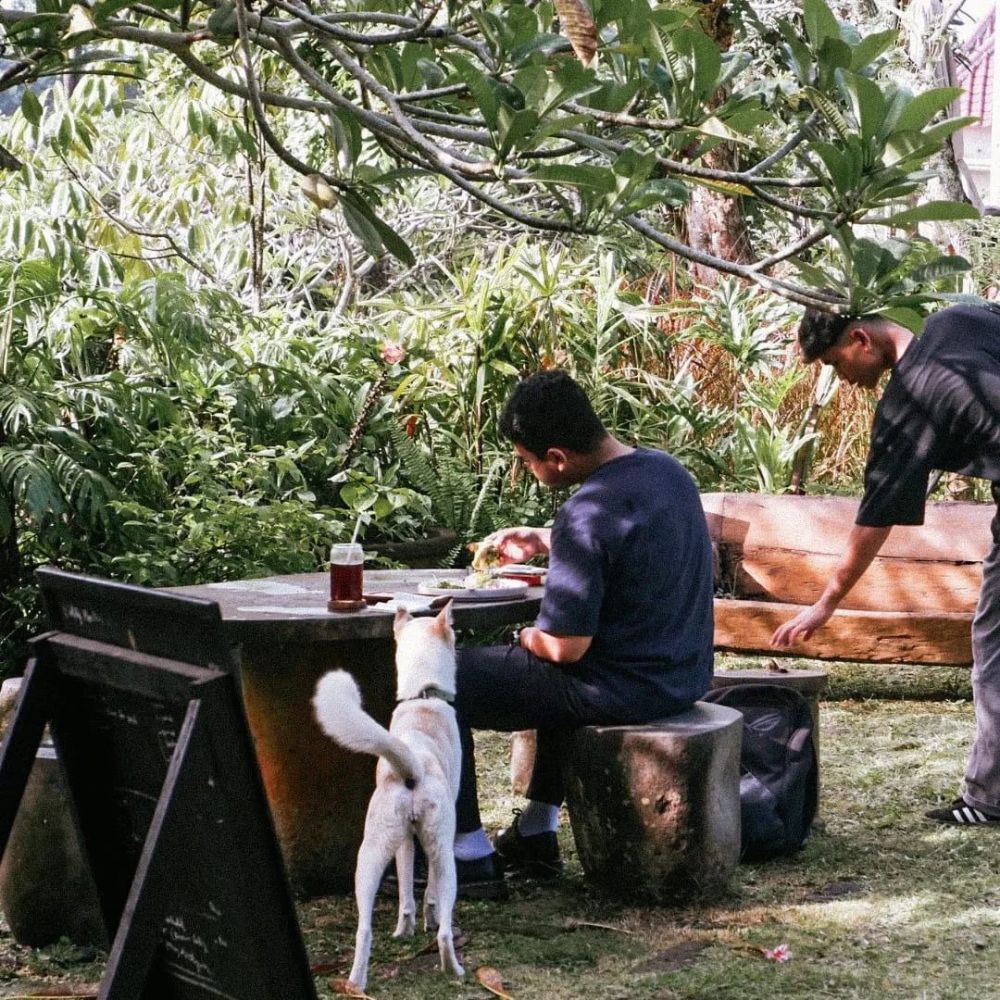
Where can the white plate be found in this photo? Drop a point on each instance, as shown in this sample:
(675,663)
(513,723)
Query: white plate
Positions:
(502,590)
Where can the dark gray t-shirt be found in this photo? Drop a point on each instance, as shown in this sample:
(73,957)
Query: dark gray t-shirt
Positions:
(940,410)
(631,565)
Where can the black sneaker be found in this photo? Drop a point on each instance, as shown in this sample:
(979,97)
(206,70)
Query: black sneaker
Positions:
(478,879)
(481,878)
(960,813)
(536,855)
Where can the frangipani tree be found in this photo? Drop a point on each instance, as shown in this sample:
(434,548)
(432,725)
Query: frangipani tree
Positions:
(562,117)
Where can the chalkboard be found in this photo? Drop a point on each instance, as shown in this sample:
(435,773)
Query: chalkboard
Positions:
(182,628)
(171,811)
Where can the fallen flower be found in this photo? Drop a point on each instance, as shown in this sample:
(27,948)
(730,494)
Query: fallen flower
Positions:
(392,353)
(781,953)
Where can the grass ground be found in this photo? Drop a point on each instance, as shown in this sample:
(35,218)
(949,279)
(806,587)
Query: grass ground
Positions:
(879,903)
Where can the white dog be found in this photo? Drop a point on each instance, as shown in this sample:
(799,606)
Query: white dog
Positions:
(416,780)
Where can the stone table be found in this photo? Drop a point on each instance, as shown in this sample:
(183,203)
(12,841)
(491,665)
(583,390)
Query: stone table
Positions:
(287,640)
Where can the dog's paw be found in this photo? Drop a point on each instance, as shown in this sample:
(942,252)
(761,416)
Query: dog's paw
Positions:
(452,967)
(406,927)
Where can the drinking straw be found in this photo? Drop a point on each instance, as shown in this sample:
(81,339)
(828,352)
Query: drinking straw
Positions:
(357,527)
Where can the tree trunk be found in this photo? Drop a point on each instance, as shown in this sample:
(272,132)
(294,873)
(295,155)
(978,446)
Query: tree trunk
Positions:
(715,222)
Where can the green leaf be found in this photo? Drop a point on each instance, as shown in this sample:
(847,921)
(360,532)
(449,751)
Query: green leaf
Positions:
(867,102)
(934,211)
(599,179)
(839,165)
(819,21)
(829,110)
(706,61)
(922,108)
(394,243)
(513,127)
(870,48)
(545,43)
(346,133)
(31,107)
(942,269)
(108,8)
(801,58)
(483,94)
(909,318)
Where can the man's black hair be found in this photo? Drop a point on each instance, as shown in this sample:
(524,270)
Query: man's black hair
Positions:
(549,410)
(819,331)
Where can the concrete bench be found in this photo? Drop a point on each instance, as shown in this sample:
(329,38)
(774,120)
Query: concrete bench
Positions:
(46,888)
(655,809)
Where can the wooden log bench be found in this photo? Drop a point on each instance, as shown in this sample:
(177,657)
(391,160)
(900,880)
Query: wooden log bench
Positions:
(914,605)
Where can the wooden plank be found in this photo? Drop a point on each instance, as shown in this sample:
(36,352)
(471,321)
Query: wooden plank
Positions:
(953,531)
(888,585)
(867,636)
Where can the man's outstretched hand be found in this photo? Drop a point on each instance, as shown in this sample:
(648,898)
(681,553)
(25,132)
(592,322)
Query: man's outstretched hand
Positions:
(802,626)
(511,545)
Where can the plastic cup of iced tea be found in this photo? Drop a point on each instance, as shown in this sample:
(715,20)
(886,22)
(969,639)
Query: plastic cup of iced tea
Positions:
(347,561)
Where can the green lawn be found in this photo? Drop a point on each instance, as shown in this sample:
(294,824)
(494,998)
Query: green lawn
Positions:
(880,902)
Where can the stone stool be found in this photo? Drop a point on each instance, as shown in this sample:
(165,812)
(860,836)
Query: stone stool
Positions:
(655,809)
(46,888)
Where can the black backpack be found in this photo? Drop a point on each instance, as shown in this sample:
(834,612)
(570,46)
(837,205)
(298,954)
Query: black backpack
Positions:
(779,775)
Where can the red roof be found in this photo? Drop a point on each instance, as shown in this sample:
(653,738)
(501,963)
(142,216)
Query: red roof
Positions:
(975,71)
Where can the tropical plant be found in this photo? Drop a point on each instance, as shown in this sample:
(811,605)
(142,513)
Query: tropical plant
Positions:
(564,119)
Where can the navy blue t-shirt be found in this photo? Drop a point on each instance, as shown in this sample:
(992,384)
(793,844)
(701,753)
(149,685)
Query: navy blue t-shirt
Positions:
(630,564)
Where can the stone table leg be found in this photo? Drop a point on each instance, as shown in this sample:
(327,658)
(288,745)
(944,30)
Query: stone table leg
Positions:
(318,792)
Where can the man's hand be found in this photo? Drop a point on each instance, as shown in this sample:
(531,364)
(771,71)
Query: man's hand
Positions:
(863,544)
(802,626)
(514,545)
(554,648)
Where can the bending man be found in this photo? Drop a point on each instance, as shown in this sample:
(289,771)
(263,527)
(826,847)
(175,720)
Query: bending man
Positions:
(940,410)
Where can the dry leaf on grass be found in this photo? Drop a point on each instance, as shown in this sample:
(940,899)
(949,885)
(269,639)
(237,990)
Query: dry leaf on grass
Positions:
(578,26)
(337,964)
(457,937)
(572,924)
(345,988)
(64,993)
(493,981)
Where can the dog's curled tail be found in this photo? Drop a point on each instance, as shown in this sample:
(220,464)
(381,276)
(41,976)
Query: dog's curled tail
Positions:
(337,704)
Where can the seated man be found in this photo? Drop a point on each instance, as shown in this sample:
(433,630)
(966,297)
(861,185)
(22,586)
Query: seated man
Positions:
(625,629)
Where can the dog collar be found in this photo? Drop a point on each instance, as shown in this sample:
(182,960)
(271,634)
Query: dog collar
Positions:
(431,691)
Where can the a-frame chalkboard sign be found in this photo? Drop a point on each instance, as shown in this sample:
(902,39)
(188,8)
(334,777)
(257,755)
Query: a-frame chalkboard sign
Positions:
(166,791)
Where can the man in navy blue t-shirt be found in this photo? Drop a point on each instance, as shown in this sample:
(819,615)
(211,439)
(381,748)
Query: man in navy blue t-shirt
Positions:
(940,410)
(624,634)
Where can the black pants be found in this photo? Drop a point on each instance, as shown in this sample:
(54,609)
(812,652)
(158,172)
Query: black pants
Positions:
(506,688)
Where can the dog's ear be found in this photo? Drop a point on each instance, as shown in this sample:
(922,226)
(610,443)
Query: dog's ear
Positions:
(402,618)
(442,624)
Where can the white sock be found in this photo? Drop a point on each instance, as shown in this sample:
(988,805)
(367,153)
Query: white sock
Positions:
(538,817)
(472,846)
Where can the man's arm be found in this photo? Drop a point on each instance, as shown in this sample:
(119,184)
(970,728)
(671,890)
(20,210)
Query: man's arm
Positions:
(863,545)
(555,648)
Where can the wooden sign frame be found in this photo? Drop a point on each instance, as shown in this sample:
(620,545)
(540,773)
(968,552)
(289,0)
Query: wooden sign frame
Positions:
(170,806)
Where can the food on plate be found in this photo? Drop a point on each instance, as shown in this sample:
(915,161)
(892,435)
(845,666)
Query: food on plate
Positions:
(487,555)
